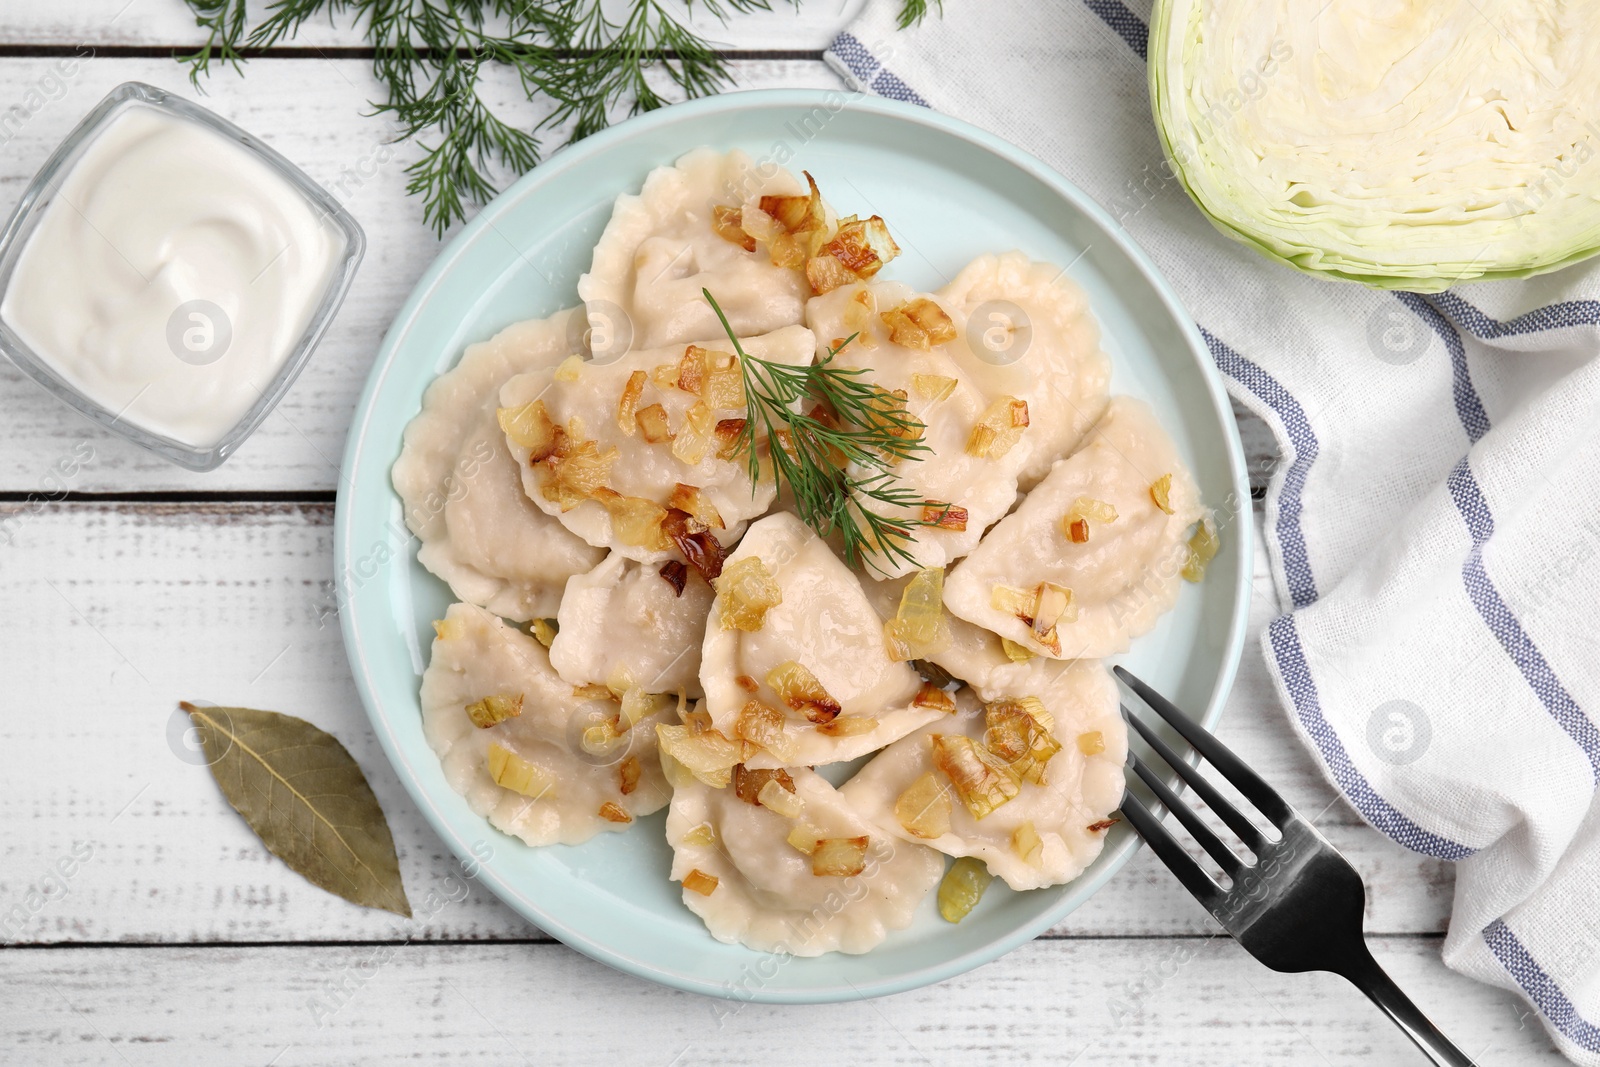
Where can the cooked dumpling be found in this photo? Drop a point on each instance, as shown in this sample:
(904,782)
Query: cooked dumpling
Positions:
(750,884)
(461,492)
(632,624)
(537,759)
(609,447)
(938,392)
(971,654)
(1049,355)
(661,248)
(976,656)
(1040,833)
(1090,559)
(792,633)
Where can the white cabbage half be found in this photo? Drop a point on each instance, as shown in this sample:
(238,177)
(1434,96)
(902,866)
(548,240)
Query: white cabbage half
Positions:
(1399,143)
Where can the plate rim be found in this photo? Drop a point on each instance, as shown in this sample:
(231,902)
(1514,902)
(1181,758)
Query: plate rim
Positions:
(405,320)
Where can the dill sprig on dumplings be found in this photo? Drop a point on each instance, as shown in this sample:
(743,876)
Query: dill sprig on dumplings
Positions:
(584,60)
(838,461)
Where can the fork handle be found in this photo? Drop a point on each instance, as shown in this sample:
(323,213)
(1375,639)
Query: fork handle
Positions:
(1364,973)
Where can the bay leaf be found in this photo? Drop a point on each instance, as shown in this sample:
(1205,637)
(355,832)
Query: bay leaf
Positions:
(306,798)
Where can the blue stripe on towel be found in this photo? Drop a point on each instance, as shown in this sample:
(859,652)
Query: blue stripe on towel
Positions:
(1560,316)
(1469,408)
(1291,540)
(873,74)
(1128,25)
(862,63)
(1502,622)
(1540,987)
(1291,659)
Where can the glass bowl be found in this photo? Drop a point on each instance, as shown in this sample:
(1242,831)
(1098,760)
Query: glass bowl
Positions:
(42,191)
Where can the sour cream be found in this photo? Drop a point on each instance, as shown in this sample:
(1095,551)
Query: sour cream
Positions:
(171,276)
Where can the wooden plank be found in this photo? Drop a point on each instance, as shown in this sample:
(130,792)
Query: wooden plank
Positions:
(114,613)
(170,23)
(312,111)
(1191,1002)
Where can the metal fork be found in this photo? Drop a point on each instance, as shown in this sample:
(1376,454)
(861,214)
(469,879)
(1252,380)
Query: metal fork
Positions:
(1299,905)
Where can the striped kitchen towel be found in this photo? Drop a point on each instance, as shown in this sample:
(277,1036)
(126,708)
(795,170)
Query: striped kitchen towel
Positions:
(1433,527)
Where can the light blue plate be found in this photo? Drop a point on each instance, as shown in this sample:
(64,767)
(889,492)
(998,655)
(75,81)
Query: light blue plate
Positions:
(949,192)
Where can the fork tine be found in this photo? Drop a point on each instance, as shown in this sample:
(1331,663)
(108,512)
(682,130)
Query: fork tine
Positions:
(1237,821)
(1231,864)
(1167,849)
(1256,791)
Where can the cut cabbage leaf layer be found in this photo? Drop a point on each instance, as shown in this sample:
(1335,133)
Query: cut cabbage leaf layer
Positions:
(1404,146)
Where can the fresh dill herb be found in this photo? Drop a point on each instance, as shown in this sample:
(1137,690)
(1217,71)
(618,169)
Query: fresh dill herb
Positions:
(587,58)
(914,11)
(225,23)
(838,458)
(610,59)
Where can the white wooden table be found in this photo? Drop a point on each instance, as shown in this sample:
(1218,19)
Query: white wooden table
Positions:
(128,584)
